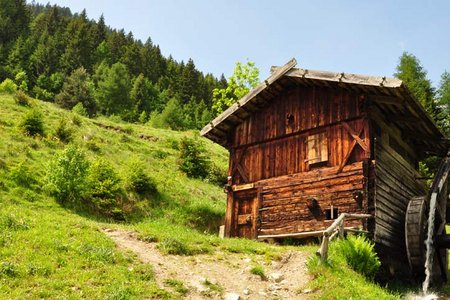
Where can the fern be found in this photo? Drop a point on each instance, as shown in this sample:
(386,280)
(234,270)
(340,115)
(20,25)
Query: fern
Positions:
(359,254)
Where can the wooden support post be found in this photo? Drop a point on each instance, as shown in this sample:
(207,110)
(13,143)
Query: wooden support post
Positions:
(341,230)
(333,231)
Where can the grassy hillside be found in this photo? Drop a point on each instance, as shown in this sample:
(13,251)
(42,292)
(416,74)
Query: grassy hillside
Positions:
(51,251)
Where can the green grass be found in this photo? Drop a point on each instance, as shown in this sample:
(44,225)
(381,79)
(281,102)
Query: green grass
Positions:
(334,279)
(177,285)
(258,271)
(47,251)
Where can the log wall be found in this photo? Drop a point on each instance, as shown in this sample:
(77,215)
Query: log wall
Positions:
(287,205)
(395,185)
(271,149)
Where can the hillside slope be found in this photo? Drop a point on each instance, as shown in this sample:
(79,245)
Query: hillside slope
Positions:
(48,251)
(167,247)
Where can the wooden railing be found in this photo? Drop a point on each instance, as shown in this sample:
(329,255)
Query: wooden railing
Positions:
(335,229)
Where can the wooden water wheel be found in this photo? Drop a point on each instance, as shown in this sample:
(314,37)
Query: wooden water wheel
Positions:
(415,233)
(425,236)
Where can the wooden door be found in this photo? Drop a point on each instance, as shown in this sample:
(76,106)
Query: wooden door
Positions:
(246,208)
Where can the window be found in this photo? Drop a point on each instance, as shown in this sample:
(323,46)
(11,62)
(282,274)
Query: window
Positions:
(331,213)
(317,148)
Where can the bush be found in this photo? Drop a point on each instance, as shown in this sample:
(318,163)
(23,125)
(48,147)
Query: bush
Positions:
(104,188)
(63,131)
(33,123)
(21,98)
(21,79)
(138,181)
(67,176)
(21,175)
(8,86)
(359,255)
(192,161)
(43,94)
(173,116)
(80,110)
(217,175)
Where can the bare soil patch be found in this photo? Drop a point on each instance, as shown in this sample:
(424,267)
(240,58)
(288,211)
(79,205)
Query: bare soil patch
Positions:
(222,275)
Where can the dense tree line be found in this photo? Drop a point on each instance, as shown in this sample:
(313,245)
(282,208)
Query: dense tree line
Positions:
(55,55)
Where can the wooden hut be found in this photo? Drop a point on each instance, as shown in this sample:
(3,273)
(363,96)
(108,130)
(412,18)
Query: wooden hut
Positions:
(306,146)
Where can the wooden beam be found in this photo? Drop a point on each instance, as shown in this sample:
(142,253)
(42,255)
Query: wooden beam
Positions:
(356,136)
(387,100)
(350,150)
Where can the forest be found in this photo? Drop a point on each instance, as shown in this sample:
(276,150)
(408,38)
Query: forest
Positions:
(58,56)
(55,55)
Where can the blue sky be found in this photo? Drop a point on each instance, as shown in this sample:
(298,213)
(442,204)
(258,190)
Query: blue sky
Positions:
(365,37)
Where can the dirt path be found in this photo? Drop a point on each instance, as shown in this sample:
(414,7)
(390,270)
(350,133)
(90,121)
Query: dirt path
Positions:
(222,275)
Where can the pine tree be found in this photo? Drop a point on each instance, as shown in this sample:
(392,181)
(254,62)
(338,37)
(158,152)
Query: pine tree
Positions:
(116,44)
(77,89)
(188,82)
(132,59)
(411,72)
(113,92)
(443,98)
(14,20)
(78,45)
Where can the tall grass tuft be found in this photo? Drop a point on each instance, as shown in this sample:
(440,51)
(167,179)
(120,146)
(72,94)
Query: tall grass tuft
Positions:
(359,254)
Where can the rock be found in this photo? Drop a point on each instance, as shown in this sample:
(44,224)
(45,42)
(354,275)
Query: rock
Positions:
(262,293)
(232,296)
(246,292)
(284,281)
(277,277)
(274,287)
(247,260)
(307,291)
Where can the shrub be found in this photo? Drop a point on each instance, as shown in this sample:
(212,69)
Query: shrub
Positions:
(359,255)
(217,175)
(192,161)
(21,98)
(104,188)
(33,123)
(42,94)
(138,181)
(9,269)
(8,86)
(76,119)
(21,175)
(67,175)
(21,80)
(63,131)
(80,110)
(173,116)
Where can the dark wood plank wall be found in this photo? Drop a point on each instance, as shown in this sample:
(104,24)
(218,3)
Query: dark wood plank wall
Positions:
(395,185)
(273,141)
(270,148)
(309,107)
(288,155)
